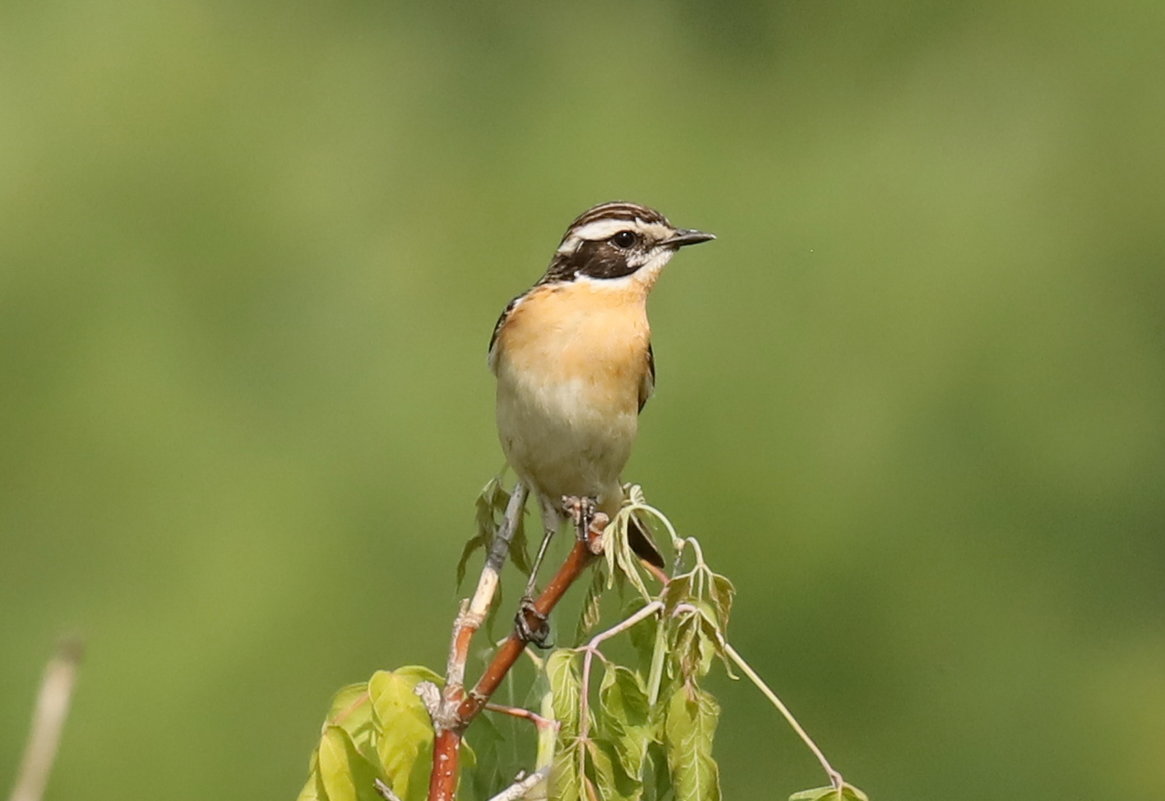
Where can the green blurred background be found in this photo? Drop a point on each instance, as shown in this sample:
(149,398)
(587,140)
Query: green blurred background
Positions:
(912,401)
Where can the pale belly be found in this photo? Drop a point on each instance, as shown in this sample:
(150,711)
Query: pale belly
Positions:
(566,437)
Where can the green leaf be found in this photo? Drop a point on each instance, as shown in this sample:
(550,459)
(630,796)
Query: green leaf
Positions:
(484,516)
(405,733)
(678,591)
(621,560)
(466,765)
(471,545)
(347,701)
(606,771)
(489,511)
(683,648)
(492,497)
(351,710)
(344,774)
(565,687)
(313,790)
(565,781)
(689,728)
(621,695)
(519,545)
(660,783)
(624,717)
(712,640)
(721,596)
(847,792)
(487,742)
(692,645)
(642,634)
(592,604)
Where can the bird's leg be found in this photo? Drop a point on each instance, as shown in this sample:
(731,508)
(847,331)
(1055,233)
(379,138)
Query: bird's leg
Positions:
(529,623)
(550,523)
(580,511)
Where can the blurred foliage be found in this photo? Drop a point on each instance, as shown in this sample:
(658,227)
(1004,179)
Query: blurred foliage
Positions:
(912,401)
(646,734)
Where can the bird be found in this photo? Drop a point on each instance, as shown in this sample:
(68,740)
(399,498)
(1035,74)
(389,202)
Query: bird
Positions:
(574,364)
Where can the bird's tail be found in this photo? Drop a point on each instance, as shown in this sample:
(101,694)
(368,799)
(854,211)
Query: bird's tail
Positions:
(642,544)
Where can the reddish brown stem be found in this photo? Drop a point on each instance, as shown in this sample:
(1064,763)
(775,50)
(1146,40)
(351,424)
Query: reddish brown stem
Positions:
(446,751)
(578,560)
(447,744)
(539,722)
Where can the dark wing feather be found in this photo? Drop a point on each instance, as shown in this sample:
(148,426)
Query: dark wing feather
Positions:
(647,384)
(493,340)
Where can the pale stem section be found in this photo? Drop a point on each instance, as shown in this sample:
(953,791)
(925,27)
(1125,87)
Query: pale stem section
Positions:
(472,615)
(522,787)
(385,791)
(48,721)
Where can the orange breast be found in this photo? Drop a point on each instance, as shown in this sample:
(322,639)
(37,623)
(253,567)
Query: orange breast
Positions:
(594,336)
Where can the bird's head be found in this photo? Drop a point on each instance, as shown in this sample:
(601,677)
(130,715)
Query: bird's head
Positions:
(619,242)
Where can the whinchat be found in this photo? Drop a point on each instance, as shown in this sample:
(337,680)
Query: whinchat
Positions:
(574,364)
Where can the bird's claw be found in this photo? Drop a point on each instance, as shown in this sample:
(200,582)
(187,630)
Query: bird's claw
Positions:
(581,511)
(530,624)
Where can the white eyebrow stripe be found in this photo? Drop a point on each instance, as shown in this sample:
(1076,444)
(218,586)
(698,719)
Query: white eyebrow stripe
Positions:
(601,229)
(569,245)
(604,229)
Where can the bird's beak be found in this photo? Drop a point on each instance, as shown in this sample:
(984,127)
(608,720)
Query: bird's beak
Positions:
(687,236)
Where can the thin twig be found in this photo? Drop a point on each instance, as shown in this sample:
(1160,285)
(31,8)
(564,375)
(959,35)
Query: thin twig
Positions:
(547,744)
(658,657)
(539,722)
(696,547)
(592,648)
(835,777)
(547,727)
(524,785)
(48,721)
(500,547)
(385,791)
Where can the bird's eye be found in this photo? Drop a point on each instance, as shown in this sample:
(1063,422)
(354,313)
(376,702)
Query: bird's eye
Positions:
(624,239)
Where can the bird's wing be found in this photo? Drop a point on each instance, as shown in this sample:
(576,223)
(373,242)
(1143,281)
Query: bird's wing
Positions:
(647,383)
(492,359)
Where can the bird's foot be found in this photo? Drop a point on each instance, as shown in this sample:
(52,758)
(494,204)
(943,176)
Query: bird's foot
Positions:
(588,522)
(581,511)
(530,624)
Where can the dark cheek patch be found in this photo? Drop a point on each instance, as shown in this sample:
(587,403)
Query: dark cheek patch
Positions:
(599,259)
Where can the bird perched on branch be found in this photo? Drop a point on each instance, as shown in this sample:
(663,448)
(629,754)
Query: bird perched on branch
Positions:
(573,360)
